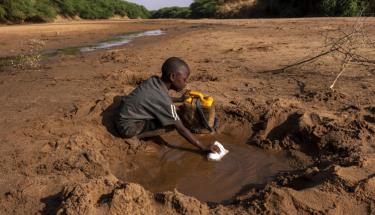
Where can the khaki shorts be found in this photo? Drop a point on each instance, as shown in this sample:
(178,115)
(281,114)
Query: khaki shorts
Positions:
(128,128)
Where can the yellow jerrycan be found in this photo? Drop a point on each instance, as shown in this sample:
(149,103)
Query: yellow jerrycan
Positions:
(199,112)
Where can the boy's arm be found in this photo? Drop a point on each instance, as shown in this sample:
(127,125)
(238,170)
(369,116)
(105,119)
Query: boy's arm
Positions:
(180,99)
(176,100)
(183,131)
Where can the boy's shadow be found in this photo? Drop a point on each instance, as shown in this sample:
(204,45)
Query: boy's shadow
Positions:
(109,116)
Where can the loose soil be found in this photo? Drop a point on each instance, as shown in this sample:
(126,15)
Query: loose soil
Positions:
(60,153)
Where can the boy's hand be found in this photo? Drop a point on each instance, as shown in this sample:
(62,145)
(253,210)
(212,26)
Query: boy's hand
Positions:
(214,148)
(184,96)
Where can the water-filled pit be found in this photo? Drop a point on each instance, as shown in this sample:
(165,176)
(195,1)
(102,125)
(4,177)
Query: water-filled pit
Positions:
(169,168)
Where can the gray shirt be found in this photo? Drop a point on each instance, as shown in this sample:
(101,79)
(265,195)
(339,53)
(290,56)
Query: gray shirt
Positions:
(149,101)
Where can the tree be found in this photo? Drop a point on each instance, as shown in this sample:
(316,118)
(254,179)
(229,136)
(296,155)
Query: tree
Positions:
(203,8)
(2,13)
(172,12)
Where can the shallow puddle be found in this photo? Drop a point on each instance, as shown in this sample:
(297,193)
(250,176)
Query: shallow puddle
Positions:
(110,43)
(191,173)
(121,40)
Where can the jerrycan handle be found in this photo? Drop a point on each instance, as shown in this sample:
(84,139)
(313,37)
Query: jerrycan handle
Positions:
(196,94)
(206,101)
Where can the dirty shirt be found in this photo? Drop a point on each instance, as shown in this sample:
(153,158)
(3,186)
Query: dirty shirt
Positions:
(149,101)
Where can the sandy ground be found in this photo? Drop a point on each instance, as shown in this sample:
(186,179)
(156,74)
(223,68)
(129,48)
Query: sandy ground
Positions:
(58,145)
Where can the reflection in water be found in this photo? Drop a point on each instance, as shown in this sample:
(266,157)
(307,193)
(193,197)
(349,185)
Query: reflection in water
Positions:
(192,174)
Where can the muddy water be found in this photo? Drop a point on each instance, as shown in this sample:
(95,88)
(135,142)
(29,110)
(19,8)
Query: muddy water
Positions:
(166,168)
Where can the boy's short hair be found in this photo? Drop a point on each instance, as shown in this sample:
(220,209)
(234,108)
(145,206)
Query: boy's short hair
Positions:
(170,65)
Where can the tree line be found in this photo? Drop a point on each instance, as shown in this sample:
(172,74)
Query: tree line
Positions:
(270,8)
(18,11)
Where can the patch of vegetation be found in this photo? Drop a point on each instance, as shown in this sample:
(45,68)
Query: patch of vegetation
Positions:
(21,61)
(302,8)
(340,7)
(2,13)
(370,7)
(19,11)
(204,8)
(270,8)
(43,11)
(172,12)
(198,9)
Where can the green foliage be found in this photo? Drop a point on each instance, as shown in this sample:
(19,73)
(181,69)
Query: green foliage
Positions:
(17,10)
(2,13)
(289,8)
(101,9)
(300,8)
(46,10)
(133,10)
(340,7)
(42,11)
(67,7)
(369,6)
(203,8)
(172,12)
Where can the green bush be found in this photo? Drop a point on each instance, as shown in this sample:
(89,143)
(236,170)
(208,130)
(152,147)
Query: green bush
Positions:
(172,12)
(203,8)
(369,7)
(302,8)
(289,8)
(340,7)
(96,9)
(2,13)
(46,10)
(135,11)
(42,11)
(69,8)
(17,10)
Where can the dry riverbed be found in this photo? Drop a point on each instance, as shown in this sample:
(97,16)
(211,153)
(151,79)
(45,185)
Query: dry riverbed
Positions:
(299,147)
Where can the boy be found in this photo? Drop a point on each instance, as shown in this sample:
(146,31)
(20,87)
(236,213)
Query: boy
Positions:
(149,110)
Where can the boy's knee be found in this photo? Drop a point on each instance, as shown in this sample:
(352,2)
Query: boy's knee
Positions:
(129,130)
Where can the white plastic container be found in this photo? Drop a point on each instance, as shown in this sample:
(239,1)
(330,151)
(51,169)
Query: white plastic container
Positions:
(217,156)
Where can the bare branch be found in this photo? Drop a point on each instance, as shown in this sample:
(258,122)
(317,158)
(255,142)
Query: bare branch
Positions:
(349,48)
(343,67)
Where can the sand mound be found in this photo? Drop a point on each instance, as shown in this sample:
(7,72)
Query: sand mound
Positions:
(333,190)
(323,135)
(106,195)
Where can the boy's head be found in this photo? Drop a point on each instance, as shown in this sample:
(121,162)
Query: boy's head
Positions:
(176,72)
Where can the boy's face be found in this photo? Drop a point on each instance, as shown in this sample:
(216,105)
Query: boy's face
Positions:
(179,79)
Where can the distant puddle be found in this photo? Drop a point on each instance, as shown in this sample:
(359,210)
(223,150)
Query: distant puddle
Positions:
(191,173)
(121,40)
(113,42)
